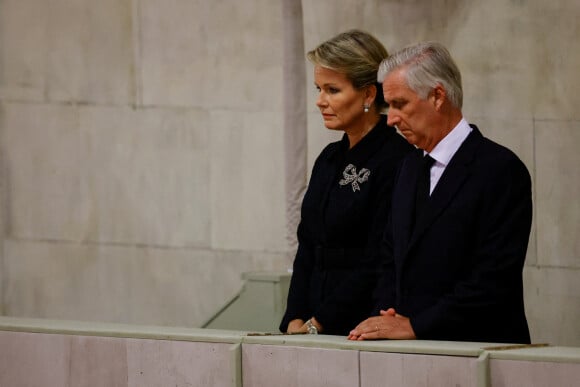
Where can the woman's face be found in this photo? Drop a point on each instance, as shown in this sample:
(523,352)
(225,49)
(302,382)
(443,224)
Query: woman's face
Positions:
(339,102)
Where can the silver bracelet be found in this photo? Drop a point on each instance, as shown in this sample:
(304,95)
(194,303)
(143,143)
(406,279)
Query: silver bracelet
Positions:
(311,328)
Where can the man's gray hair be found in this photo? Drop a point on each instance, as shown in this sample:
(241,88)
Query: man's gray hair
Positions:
(426,65)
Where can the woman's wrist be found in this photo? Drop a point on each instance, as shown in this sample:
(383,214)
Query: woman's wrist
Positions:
(316,324)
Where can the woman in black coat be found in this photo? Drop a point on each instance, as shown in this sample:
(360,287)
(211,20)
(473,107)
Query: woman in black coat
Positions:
(346,206)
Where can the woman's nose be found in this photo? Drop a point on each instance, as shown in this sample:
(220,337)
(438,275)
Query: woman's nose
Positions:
(321,100)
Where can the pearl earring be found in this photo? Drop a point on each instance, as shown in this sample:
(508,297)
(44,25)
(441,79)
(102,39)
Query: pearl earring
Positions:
(366,108)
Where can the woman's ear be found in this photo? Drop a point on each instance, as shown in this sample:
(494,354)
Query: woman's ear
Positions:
(370,94)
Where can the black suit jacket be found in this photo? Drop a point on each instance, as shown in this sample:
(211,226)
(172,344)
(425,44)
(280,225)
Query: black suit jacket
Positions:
(457,274)
(335,271)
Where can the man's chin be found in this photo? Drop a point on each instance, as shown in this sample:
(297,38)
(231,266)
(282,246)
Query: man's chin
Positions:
(408,136)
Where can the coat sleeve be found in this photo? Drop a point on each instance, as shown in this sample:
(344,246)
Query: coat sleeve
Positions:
(298,293)
(297,304)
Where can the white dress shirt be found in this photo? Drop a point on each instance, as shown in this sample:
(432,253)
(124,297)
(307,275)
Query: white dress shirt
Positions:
(445,149)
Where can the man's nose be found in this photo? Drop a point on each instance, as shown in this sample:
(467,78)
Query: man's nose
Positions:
(392,119)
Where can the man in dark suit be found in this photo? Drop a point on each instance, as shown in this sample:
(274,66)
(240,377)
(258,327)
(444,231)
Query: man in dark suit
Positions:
(453,255)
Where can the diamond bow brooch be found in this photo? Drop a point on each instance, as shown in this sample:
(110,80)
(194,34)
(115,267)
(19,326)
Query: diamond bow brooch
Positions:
(350,176)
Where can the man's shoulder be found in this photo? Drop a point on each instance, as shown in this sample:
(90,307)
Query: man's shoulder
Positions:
(495,153)
(493,160)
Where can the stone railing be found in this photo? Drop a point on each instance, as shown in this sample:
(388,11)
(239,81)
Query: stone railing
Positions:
(37,352)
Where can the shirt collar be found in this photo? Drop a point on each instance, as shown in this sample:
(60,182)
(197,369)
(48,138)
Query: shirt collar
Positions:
(446,148)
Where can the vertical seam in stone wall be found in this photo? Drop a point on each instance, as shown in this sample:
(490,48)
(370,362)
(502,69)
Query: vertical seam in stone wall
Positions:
(294,106)
(137,41)
(236,363)
(483,377)
(359,369)
(3,209)
(534,242)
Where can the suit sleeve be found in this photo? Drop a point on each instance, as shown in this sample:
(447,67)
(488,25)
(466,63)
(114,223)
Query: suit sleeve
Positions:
(384,292)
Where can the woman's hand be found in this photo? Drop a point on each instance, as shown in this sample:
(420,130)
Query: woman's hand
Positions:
(296,326)
(299,326)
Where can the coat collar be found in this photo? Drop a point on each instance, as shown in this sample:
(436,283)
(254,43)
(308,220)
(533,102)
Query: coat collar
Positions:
(366,147)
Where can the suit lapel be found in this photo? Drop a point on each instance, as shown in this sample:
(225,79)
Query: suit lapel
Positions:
(403,204)
(453,178)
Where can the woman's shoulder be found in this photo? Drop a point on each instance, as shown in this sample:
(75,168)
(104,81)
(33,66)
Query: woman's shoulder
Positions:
(331,150)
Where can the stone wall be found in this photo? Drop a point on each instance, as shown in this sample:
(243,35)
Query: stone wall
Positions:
(136,143)
(142,155)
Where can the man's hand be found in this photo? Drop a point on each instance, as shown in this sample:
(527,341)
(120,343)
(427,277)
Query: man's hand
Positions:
(389,325)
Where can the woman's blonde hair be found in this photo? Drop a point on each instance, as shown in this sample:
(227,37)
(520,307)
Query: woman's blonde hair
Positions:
(355,53)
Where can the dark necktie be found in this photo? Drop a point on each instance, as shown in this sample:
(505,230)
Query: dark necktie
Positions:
(423,185)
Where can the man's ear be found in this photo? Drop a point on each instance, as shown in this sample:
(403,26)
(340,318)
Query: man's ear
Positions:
(438,94)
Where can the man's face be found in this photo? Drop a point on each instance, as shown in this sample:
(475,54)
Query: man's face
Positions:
(413,116)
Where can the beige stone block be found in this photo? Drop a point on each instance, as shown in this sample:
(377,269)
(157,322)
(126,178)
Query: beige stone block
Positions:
(498,77)
(507,373)
(147,176)
(107,174)
(270,365)
(557,187)
(155,363)
(213,56)
(171,287)
(555,58)
(552,296)
(34,360)
(22,54)
(504,77)
(244,55)
(43,161)
(173,60)
(89,53)
(323,20)
(398,370)
(97,362)
(247,181)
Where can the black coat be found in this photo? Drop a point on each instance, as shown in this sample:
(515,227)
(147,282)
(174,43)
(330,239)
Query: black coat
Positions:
(458,274)
(344,213)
